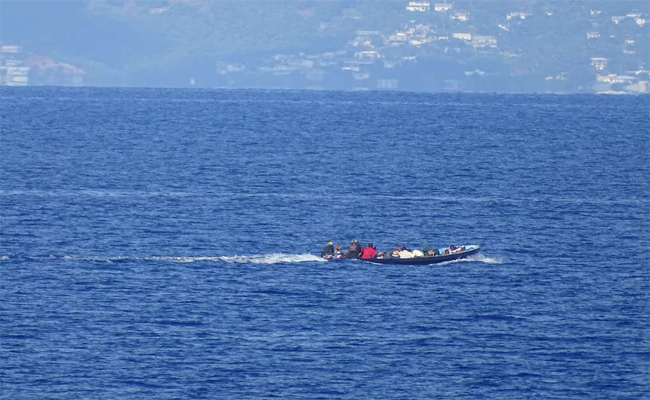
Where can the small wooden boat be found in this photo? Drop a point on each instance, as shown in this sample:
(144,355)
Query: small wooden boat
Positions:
(460,252)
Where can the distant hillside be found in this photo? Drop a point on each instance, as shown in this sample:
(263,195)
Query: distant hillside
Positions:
(510,46)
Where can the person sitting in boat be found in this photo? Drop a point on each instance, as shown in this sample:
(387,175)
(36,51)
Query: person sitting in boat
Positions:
(453,249)
(458,250)
(405,253)
(433,252)
(338,254)
(418,253)
(354,250)
(328,250)
(395,253)
(369,252)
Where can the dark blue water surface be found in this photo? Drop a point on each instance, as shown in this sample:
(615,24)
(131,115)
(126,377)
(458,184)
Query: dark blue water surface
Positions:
(160,244)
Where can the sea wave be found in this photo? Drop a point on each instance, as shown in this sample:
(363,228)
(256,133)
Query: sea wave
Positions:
(319,195)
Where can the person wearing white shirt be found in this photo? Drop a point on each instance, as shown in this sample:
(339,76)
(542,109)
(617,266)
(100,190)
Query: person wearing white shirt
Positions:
(405,254)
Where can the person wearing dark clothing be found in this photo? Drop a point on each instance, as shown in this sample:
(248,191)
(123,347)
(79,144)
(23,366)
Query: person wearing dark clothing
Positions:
(369,252)
(354,250)
(328,251)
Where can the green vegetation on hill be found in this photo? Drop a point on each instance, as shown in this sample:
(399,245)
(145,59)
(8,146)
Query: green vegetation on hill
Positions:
(530,45)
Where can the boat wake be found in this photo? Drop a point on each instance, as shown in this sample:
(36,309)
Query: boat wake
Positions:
(484,259)
(260,259)
(276,258)
(264,259)
(474,258)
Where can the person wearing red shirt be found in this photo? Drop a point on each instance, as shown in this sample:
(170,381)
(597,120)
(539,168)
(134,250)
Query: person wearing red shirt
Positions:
(368,252)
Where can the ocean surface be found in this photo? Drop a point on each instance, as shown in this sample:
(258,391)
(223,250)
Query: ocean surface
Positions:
(163,244)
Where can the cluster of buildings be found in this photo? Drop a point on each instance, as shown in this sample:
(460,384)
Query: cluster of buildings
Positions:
(637,81)
(12,70)
(421,34)
(22,68)
(460,15)
(634,81)
(425,6)
(373,59)
(617,19)
(372,49)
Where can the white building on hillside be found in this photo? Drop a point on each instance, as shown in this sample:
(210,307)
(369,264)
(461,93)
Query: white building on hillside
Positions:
(9,48)
(461,16)
(442,7)
(463,36)
(599,63)
(518,14)
(418,6)
(484,41)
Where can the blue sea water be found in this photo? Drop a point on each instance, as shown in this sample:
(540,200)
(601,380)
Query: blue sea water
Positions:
(162,244)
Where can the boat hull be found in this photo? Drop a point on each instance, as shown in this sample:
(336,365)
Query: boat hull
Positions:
(470,250)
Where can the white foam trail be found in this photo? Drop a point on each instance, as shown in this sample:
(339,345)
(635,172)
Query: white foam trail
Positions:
(276,258)
(108,260)
(475,258)
(488,260)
